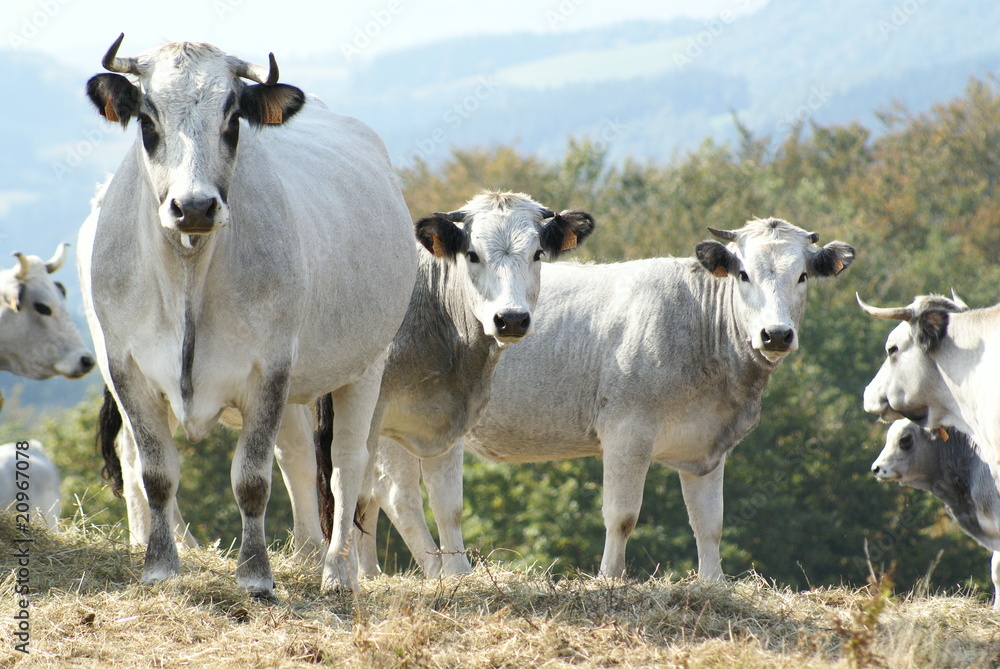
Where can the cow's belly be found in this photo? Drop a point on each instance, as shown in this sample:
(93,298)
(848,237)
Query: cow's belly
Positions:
(539,447)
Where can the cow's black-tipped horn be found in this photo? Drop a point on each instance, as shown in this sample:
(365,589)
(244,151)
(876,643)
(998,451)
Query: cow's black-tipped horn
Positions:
(455,216)
(23,266)
(56,261)
(257,73)
(727,235)
(547,213)
(888,313)
(112,63)
(813,237)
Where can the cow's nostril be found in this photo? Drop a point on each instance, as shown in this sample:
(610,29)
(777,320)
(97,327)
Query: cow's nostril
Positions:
(499,322)
(175,208)
(765,336)
(525,322)
(210,212)
(87,362)
(789,337)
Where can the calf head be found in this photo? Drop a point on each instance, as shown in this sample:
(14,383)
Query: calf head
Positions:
(770,261)
(38,339)
(910,456)
(497,242)
(909,383)
(188,101)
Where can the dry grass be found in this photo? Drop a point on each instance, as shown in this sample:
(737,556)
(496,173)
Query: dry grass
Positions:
(88,610)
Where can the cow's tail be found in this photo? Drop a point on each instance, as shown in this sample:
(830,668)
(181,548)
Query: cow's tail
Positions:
(323,441)
(109,424)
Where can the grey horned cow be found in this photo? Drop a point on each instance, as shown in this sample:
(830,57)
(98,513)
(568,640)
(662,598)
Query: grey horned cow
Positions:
(661,360)
(252,250)
(471,302)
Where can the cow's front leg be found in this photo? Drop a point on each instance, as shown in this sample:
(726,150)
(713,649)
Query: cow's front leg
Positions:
(627,454)
(297,460)
(398,492)
(160,474)
(443,479)
(251,478)
(353,407)
(995,572)
(703,499)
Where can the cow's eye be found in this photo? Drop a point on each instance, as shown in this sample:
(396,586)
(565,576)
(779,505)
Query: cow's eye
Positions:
(473,256)
(43,309)
(906,442)
(150,138)
(231,135)
(802,277)
(891,351)
(744,276)
(538,254)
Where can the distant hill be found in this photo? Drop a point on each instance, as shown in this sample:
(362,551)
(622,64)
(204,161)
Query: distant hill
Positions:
(648,90)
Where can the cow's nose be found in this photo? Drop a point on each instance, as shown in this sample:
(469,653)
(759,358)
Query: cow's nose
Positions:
(195,214)
(512,323)
(875,469)
(86,362)
(777,338)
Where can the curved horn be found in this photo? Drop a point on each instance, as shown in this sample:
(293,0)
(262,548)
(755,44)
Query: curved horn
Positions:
(58,259)
(112,63)
(959,301)
(547,213)
(890,314)
(728,235)
(257,73)
(813,237)
(23,266)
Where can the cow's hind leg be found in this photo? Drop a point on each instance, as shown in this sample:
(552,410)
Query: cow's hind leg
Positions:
(353,407)
(297,460)
(251,479)
(703,498)
(627,454)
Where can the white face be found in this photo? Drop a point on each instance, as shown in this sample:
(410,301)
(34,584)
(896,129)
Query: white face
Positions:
(188,133)
(909,384)
(772,283)
(503,263)
(907,456)
(40,340)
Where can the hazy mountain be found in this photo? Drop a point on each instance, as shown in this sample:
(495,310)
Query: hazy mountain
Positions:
(648,90)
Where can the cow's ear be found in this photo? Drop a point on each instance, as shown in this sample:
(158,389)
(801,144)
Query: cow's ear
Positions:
(716,258)
(565,232)
(116,98)
(261,104)
(931,327)
(832,259)
(441,236)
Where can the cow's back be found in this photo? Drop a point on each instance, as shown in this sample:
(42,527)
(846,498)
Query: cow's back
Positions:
(628,341)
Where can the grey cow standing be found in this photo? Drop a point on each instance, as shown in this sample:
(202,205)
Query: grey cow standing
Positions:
(952,471)
(252,251)
(661,360)
(469,304)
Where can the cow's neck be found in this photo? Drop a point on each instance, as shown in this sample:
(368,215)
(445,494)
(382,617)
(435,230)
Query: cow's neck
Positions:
(956,486)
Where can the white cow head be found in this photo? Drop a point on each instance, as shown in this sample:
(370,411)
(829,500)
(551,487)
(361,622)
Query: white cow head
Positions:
(771,260)
(909,382)
(189,101)
(910,455)
(497,241)
(38,339)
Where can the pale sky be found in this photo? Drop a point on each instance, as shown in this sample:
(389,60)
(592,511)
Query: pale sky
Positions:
(77,32)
